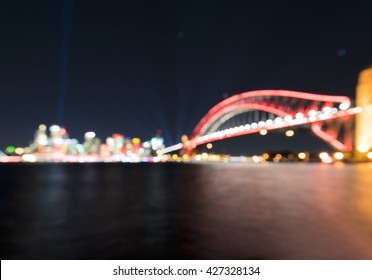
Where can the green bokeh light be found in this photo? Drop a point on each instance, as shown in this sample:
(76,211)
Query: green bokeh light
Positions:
(10,149)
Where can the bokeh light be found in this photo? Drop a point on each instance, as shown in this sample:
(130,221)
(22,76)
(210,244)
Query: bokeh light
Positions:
(338,156)
(263,132)
(10,149)
(289,133)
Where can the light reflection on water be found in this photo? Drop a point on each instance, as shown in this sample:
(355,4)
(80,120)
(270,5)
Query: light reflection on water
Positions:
(192,211)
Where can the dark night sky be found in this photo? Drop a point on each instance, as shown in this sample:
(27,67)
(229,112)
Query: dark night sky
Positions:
(136,66)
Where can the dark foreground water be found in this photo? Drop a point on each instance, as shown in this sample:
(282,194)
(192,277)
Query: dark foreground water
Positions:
(185,211)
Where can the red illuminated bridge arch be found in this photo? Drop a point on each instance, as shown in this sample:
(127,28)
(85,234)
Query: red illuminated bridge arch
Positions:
(327,116)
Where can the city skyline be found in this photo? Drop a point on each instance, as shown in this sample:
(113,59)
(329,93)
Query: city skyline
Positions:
(54,144)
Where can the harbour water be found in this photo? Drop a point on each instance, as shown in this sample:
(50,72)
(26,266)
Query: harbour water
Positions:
(186,211)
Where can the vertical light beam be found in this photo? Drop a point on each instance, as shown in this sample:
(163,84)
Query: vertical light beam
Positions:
(67,25)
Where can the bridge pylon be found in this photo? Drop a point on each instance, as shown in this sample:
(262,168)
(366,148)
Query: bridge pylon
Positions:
(363,130)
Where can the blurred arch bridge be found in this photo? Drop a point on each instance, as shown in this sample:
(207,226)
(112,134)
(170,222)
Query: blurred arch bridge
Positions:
(329,117)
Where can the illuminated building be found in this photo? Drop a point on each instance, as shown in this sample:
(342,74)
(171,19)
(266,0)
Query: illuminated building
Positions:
(92,144)
(105,151)
(72,147)
(157,143)
(57,135)
(128,146)
(136,145)
(54,142)
(118,144)
(146,149)
(57,140)
(41,138)
(363,135)
(110,143)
